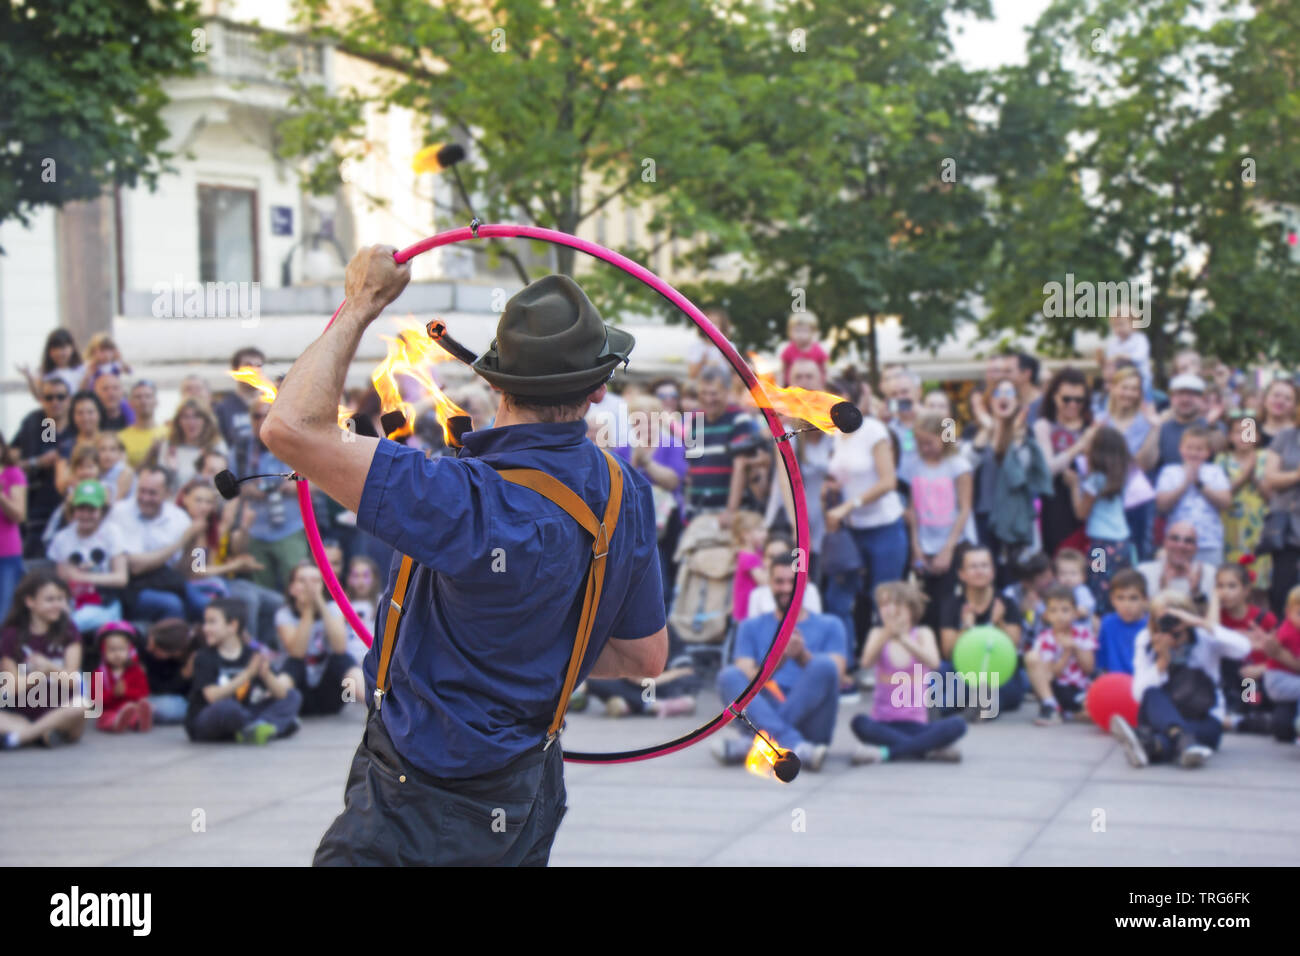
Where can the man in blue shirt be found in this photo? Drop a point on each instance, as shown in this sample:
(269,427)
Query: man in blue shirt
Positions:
(455,766)
(800,715)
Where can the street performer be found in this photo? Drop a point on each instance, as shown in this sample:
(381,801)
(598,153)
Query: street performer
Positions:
(525,564)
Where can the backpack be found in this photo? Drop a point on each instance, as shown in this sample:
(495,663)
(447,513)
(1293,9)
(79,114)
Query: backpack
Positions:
(703,597)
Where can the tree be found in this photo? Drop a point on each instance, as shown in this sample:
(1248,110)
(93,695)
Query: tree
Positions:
(1166,146)
(546,96)
(81,96)
(880,123)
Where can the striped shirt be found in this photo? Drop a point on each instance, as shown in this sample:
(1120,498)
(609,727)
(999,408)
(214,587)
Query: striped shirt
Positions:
(710,463)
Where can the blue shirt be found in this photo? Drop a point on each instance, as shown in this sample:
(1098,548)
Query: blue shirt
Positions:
(492,608)
(1106,521)
(1116,641)
(822,634)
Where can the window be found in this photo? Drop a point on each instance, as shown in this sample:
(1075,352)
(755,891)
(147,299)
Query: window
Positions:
(227,234)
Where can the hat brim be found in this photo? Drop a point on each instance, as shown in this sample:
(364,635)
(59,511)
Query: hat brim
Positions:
(544,386)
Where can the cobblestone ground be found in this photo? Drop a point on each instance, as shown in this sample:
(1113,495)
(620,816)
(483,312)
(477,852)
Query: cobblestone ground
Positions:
(1023,795)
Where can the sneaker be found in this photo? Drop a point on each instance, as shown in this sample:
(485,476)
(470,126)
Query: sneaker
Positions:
(121,720)
(812,756)
(867,753)
(1128,739)
(578,701)
(617,707)
(257,733)
(1194,755)
(675,707)
(292,729)
(1048,715)
(130,716)
(144,713)
(731,751)
(949,754)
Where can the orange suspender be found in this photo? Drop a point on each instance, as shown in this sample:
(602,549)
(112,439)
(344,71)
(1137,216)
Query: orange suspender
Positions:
(601,533)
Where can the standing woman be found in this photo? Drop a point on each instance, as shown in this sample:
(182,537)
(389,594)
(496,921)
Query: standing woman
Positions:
(1280,536)
(812,449)
(1279,405)
(862,471)
(1012,476)
(13,512)
(1063,430)
(1139,424)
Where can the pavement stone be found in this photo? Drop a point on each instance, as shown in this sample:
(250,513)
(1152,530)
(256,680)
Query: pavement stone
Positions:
(1023,795)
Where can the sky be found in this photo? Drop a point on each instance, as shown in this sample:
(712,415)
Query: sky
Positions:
(1000,41)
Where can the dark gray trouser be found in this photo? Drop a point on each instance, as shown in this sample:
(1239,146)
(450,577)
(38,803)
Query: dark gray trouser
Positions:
(505,818)
(225,718)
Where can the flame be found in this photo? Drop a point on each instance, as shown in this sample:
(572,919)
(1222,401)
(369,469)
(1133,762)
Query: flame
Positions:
(252,376)
(811,407)
(409,354)
(762,757)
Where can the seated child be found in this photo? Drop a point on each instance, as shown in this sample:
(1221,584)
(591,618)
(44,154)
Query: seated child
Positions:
(235,694)
(1071,567)
(1282,677)
(1061,661)
(1249,709)
(168,660)
(899,725)
(1117,637)
(119,682)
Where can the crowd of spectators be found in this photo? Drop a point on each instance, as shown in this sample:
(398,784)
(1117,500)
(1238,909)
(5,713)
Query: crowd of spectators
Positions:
(1103,525)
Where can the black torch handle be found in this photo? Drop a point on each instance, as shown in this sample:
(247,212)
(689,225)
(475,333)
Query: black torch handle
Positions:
(437,330)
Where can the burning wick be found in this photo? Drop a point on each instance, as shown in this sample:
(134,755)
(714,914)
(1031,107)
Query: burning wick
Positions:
(786,766)
(845,415)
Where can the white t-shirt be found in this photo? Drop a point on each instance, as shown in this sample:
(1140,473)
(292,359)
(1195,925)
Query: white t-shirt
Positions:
(761,601)
(853,465)
(1194,506)
(94,553)
(1136,348)
(141,534)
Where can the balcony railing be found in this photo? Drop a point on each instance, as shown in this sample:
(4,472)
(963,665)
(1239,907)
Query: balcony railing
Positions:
(237,52)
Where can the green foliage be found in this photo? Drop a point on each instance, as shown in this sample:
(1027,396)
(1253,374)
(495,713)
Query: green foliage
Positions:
(81,95)
(1153,106)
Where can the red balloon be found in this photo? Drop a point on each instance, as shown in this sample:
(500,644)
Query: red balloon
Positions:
(1111,694)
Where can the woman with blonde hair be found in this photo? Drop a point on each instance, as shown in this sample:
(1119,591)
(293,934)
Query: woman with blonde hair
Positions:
(192,432)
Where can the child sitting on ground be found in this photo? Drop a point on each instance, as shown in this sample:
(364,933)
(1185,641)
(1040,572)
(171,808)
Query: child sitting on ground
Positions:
(1282,677)
(1071,569)
(1249,709)
(1117,637)
(362,587)
(235,694)
(899,725)
(168,661)
(1062,659)
(120,682)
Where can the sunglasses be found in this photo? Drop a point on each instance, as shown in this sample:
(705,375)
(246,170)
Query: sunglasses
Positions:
(55,396)
(1071,399)
(666,395)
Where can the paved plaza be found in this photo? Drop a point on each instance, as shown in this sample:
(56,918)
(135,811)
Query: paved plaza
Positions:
(1023,796)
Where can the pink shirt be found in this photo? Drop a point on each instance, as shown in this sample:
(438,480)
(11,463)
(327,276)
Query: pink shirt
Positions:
(746,561)
(11,539)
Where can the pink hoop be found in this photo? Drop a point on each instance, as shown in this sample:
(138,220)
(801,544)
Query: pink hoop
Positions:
(771,661)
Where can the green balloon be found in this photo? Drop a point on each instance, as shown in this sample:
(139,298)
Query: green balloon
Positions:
(985,650)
